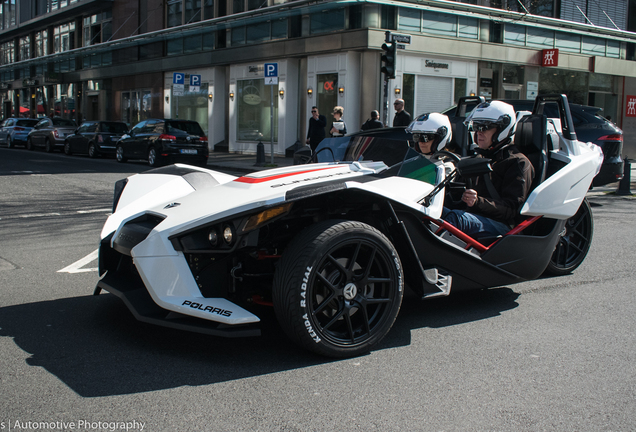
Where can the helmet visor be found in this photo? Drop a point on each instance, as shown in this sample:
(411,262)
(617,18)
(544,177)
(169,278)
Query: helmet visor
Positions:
(423,137)
(483,125)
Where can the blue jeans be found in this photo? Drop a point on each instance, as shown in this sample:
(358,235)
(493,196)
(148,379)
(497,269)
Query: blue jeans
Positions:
(474,225)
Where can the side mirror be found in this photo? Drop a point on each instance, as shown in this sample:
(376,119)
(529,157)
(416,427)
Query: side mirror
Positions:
(473,167)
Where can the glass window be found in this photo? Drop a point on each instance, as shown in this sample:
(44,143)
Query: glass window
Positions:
(438,23)
(208,9)
(327,21)
(192,11)
(254,111)
(460,88)
(593,46)
(613,49)
(258,32)
(174,13)
(208,40)
(468,27)
(192,43)
(256,4)
(410,20)
(540,38)
(279,29)
(174,46)
(568,42)
(238,36)
(515,34)
(238,6)
(25,48)
(192,106)
(41,43)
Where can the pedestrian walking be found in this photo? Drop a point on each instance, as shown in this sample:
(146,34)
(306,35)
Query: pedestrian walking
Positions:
(316,130)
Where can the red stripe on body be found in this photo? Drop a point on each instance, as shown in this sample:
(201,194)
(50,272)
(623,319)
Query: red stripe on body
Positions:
(274,177)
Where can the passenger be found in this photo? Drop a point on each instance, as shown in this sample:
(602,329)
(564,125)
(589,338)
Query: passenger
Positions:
(492,206)
(431,133)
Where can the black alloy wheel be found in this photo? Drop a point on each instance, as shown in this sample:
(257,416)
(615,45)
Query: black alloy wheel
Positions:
(67,148)
(29,144)
(119,154)
(153,157)
(92,150)
(574,243)
(338,288)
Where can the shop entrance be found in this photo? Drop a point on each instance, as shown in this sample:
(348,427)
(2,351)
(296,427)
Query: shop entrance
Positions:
(328,96)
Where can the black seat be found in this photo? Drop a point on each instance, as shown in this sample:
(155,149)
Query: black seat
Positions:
(531,140)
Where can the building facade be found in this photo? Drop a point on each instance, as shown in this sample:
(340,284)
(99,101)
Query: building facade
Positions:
(204,60)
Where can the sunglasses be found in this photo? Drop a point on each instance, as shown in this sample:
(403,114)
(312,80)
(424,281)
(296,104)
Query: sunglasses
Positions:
(397,103)
(423,137)
(314,111)
(483,126)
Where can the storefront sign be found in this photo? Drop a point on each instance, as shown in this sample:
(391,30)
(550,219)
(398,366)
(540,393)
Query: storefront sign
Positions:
(435,65)
(29,82)
(532,89)
(255,69)
(485,82)
(52,78)
(550,57)
(630,106)
(5,86)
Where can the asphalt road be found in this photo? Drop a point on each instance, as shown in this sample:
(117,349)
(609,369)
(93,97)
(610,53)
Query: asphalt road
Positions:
(556,354)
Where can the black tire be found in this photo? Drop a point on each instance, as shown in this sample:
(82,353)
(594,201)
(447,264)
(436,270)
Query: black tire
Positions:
(48,146)
(29,144)
(10,142)
(92,150)
(338,288)
(119,154)
(67,148)
(153,157)
(574,244)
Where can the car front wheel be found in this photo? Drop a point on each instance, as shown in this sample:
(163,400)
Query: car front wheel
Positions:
(29,144)
(574,243)
(338,288)
(92,150)
(67,148)
(48,146)
(10,142)
(153,157)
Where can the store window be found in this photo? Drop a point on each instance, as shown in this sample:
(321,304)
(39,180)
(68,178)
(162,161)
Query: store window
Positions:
(135,106)
(192,105)
(64,101)
(254,107)
(41,43)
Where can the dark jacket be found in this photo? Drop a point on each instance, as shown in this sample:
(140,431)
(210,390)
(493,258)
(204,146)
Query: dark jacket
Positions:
(316,130)
(371,124)
(512,178)
(402,119)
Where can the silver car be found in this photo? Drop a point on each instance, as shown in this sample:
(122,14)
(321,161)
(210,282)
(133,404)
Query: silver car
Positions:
(50,133)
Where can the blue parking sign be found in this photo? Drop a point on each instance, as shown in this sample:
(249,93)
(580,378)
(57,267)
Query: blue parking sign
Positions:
(195,80)
(271,70)
(178,78)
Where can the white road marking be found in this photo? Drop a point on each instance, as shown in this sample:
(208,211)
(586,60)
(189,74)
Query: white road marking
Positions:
(76,267)
(107,210)
(38,215)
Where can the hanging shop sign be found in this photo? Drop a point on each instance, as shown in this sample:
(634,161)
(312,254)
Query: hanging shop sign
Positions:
(550,57)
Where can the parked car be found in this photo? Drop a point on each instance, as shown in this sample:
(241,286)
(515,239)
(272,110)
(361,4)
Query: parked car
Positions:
(15,130)
(589,125)
(160,141)
(50,133)
(95,138)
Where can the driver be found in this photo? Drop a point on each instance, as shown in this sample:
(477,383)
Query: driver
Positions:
(431,133)
(492,206)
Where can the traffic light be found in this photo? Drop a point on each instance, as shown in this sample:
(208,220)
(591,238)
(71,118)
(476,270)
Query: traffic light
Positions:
(388,58)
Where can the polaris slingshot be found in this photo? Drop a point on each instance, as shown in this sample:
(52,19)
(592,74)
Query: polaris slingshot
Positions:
(332,245)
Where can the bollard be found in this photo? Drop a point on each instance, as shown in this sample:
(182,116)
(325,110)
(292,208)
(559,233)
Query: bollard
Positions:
(624,185)
(260,154)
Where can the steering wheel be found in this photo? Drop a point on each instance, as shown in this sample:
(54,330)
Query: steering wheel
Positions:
(441,156)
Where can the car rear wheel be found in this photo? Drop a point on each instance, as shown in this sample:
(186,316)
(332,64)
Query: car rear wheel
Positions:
(574,243)
(48,146)
(153,157)
(29,144)
(119,154)
(10,142)
(67,148)
(92,150)
(338,288)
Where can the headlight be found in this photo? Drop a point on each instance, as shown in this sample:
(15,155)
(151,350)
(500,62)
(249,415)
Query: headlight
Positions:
(261,218)
(213,237)
(228,234)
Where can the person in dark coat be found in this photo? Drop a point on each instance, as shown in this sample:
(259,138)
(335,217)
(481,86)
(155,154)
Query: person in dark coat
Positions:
(402,118)
(373,122)
(316,131)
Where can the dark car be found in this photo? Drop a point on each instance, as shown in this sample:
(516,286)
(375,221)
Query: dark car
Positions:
(95,138)
(50,133)
(589,125)
(15,131)
(161,141)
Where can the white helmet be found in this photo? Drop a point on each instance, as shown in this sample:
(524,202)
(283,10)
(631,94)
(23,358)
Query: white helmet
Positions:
(497,114)
(436,126)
